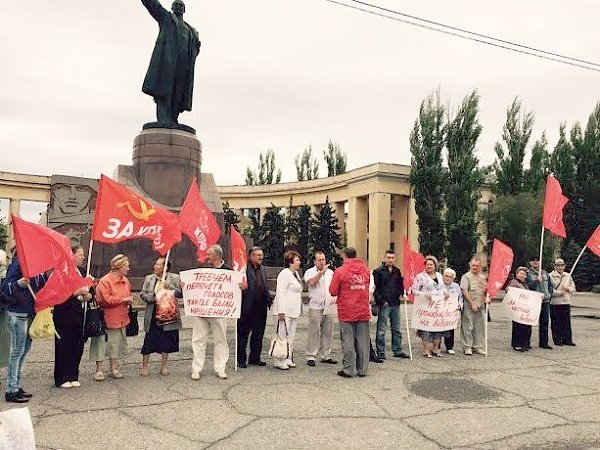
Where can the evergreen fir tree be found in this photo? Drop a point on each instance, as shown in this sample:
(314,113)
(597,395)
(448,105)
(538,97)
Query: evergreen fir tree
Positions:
(271,237)
(325,235)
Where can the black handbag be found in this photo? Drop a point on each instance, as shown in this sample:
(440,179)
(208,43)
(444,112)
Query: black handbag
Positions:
(94,324)
(133,327)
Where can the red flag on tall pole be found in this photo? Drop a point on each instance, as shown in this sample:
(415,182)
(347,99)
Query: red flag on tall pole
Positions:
(500,266)
(41,249)
(198,222)
(412,264)
(593,242)
(554,203)
(122,215)
(238,251)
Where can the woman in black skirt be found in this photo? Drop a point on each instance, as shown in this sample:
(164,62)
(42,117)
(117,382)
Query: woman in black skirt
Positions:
(68,321)
(521,333)
(159,339)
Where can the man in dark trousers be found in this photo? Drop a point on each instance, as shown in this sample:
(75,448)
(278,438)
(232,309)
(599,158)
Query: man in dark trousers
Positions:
(253,319)
(389,288)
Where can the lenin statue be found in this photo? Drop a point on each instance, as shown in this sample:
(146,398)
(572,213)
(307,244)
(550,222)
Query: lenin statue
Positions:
(170,76)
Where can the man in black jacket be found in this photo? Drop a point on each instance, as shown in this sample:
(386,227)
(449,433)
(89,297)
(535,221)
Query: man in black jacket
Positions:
(253,319)
(389,288)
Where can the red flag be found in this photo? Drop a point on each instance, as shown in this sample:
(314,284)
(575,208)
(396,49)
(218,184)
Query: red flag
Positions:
(500,265)
(198,222)
(593,242)
(41,249)
(412,264)
(238,251)
(122,215)
(554,203)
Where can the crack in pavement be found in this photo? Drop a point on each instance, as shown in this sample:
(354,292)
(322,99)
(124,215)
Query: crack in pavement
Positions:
(241,427)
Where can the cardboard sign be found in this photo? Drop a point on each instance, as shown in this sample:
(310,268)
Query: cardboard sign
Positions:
(435,314)
(523,306)
(212,293)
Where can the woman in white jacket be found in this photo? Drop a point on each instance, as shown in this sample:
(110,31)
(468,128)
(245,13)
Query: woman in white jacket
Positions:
(287,306)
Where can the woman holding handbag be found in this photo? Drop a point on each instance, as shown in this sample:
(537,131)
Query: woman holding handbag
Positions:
(159,338)
(287,306)
(114,297)
(68,321)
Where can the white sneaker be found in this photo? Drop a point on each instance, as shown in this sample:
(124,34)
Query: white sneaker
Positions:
(478,351)
(290,363)
(66,384)
(451,352)
(280,365)
(195,376)
(75,383)
(222,375)
(468,351)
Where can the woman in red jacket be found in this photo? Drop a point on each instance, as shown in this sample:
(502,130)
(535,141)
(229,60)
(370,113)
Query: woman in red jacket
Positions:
(114,296)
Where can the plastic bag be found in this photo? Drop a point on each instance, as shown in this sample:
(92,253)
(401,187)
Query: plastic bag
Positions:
(42,326)
(166,310)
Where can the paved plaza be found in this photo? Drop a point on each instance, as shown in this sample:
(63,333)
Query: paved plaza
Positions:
(541,399)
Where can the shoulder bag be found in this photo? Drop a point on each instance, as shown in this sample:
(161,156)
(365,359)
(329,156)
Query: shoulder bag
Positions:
(133,327)
(280,347)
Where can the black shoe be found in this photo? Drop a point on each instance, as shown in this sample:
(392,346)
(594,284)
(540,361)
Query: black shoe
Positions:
(546,346)
(14,397)
(362,375)
(527,347)
(311,362)
(258,363)
(572,344)
(376,360)
(401,355)
(24,394)
(343,374)
(560,344)
(381,357)
(242,365)
(329,361)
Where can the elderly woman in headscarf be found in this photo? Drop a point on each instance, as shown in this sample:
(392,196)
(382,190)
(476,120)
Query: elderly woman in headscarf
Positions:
(426,283)
(114,297)
(453,289)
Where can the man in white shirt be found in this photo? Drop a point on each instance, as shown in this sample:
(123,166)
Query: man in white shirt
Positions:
(203,325)
(320,319)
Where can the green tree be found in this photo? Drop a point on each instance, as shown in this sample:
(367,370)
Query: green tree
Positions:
(427,176)
(517,221)
(252,229)
(307,166)
(535,176)
(299,225)
(230,217)
(325,234)
(267,172)
(562,162)
(3,234)
(335,159)
(271,236)
(508,168)
(463,183)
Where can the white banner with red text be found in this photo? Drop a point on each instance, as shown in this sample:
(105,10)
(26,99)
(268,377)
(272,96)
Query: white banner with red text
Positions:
(212,293)
(523,306)
(437,313)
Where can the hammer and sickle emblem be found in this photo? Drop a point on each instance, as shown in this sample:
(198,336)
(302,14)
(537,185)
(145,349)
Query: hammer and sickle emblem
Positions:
(143,214)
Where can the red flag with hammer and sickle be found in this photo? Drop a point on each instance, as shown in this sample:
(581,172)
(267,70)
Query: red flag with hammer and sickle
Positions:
(412,264)
(554,203)
(122,215)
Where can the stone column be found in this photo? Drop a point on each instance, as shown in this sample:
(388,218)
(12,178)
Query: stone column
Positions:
(14,207)
(380,205)
(356,227)
(261,216)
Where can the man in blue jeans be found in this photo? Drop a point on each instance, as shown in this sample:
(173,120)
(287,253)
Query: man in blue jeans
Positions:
(389,288)
(20,315)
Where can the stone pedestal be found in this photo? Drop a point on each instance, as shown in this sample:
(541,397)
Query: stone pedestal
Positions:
(165,162)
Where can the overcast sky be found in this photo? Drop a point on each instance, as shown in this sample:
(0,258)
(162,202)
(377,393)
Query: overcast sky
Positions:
(279,74)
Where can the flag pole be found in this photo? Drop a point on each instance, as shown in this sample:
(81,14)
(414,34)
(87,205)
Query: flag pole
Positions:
(485,328)
(89,258)
(407,326)
(577,260)
(236,345)
(541,250)
(164,275)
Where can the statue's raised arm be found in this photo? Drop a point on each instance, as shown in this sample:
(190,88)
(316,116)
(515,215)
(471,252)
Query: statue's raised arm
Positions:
(170,76)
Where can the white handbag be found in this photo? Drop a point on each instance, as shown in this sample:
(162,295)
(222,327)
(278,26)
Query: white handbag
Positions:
(280,347)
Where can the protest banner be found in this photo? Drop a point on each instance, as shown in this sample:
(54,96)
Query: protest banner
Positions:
(523,306)
(435,314)
(212,293)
